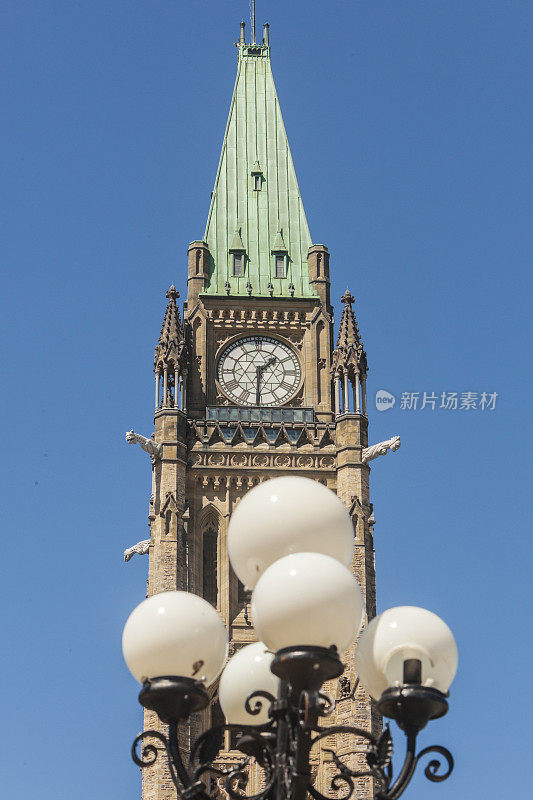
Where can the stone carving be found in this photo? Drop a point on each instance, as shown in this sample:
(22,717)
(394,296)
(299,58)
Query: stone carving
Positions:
(381,449)
(154,450)
(261,460)
(345,688)
(216,459)
(296,340)
(239,460)
(170,503)
(141,548)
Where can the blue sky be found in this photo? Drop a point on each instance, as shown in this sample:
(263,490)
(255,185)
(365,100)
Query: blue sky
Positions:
(410,125)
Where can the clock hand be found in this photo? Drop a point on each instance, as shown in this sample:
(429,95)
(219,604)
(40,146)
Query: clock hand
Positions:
(268,363)
(262,367)
(259,374)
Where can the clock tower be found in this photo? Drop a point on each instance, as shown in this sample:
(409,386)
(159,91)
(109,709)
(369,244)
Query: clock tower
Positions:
(250,384)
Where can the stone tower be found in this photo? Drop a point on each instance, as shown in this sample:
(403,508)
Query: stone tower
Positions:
(252,385)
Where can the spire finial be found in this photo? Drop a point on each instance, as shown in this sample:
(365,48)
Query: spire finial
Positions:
(172,294)
(347,298)
(349,353)
(170,347)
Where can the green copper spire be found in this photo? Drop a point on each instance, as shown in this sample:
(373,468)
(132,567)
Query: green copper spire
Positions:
(256,228)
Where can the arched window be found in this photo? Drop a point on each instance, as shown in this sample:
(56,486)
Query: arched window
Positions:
(210,566)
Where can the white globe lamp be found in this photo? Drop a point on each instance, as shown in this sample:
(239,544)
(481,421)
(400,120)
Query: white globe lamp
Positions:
(406,644)
(307,599)
(246,672)
(283,516)
(175,634)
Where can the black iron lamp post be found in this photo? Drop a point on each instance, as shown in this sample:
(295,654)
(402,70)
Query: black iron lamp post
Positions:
(291,541)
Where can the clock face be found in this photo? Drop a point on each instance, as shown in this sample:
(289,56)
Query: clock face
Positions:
(258,371)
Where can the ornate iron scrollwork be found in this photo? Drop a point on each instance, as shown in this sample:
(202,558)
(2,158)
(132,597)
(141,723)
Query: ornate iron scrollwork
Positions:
(282,746)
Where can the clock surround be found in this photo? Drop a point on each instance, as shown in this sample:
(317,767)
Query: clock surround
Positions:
(259,370)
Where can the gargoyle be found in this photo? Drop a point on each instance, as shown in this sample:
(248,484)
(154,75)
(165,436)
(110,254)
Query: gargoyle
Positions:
(381,449)
(141,548)
(154,450)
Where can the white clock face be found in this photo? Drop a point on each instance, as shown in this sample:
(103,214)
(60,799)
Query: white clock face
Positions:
(258,371)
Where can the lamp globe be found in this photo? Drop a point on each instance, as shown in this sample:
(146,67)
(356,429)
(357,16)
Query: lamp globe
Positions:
(175,634)
(246,672)
(398,637)
(307,599)
(287,515)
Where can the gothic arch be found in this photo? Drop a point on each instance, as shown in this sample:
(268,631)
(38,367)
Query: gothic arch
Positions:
(209,536)
(209,515)
(169,514)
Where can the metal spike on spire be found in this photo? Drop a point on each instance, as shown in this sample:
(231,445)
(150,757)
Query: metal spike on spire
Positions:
(252,19)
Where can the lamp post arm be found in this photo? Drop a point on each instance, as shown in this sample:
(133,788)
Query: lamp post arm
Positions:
(179,766)
(149,755)
(406,772)
(281,747)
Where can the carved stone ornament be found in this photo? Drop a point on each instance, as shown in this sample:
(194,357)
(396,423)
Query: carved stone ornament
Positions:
(170,503)
(261,461)
(141,548)
(216,459)
(239,460)
(154,450)
(345,687)
(381,449)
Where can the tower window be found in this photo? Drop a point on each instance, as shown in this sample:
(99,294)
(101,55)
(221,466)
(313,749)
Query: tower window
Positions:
(209,564)
(257,183)
(280,266)
(238,265)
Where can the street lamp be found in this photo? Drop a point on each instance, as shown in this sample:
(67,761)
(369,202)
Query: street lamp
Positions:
(291,540)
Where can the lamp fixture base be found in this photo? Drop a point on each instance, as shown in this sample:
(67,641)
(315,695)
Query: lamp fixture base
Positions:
(412,706)
(173,697)
(307,667)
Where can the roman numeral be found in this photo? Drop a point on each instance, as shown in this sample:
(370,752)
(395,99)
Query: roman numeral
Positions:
(245,396)
(231,385)
(258,344)
(286,386)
